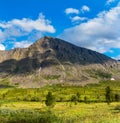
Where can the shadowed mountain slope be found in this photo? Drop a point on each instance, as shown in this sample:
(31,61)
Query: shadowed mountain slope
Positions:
(54,60)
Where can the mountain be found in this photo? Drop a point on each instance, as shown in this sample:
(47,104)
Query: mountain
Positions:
(52,60)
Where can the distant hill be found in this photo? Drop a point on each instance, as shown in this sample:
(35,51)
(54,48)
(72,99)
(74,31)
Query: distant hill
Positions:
(52,60)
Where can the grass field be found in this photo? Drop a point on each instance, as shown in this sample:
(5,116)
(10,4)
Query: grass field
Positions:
(36,112)
(28,105)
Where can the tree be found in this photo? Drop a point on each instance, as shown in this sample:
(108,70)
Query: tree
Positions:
(117,97)
(75,98)
(85,99)
(78,96)
(108,94)
(50,100)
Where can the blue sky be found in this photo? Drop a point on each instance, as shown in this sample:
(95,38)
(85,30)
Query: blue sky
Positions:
(86,23)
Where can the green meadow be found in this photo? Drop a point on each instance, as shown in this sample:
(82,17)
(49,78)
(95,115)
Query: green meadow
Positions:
(19,105)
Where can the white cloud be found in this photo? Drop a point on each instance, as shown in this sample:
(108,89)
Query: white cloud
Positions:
(71,11)
(117,57)
(16,28)
(85,9)
(100,34)
(2,36)
(2,47)
(22,44)
(35,36)
(109,2)
(28,25)
(75,18)
(78,18)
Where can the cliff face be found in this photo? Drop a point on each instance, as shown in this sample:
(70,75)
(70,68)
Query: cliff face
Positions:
(54,60)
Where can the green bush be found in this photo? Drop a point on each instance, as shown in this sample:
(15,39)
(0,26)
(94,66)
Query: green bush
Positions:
(27,116)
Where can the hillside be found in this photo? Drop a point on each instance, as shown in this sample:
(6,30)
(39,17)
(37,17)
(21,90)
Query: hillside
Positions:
(51,60)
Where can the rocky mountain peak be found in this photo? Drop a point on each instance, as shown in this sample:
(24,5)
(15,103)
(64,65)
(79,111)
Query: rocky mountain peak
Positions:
(56,60)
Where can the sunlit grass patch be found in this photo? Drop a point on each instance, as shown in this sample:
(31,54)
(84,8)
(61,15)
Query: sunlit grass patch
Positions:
(63,112)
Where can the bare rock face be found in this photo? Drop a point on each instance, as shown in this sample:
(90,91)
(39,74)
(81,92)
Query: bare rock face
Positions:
(52,60)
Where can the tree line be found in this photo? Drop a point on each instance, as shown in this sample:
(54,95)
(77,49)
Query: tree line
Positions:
(109,97)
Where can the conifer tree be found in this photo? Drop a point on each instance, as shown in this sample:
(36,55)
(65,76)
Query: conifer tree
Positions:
(50,100)
(108,94)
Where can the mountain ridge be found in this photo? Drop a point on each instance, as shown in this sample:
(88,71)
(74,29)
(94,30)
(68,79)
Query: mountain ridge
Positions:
(54,60)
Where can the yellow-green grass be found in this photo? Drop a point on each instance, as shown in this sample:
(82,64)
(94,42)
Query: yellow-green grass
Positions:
(93,92)
(28,105)
(22,105)
(70,113)
(95,112)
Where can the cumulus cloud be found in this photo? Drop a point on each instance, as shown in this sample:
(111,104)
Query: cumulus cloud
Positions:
(2,47)
(71,11)
(22,44)
(109,2)
(75,14)
(118,57)
(2,36)
(78,18)
(85,9)
(24,27)
(28,25)
(100,34)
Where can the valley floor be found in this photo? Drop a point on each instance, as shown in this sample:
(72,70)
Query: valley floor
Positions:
(18,105)
(63,112)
